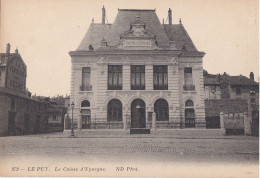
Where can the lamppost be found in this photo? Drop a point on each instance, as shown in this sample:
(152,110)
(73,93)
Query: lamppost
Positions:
(72,131)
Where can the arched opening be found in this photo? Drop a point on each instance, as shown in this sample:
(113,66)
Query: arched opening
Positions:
(114,110)
(161,109)
(86,114)
(138,117)
(189,114)
(85,103)
(189,103)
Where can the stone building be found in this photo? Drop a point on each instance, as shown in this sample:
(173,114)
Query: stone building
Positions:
(137,73)
(13,71)
(231,95)
(19,113)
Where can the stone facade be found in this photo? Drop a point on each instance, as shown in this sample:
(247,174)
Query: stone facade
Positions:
(137,46)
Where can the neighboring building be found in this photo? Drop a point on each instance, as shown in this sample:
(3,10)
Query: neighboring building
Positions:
(67,102)
(19,113)
(212,88)
(56,115)
(231,94)
(12,71)
(136,72)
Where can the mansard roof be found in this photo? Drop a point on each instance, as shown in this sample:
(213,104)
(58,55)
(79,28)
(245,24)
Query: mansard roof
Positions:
(210,79)
(6,58)
(125,17)
(177,33)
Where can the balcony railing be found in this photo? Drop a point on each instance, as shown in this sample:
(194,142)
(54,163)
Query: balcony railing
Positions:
(252,92)
(189,87)
(86,88)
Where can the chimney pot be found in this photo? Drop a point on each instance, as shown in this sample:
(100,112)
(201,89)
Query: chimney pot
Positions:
(252,77)
(103,15)
(170,16)
(8,48)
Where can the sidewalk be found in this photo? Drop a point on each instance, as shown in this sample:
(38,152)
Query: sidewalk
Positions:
(173,134)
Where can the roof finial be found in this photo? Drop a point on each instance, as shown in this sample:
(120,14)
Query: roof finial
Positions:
(16,51)
(180,20)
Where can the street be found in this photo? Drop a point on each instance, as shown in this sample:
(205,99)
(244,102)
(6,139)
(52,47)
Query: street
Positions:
(138,153)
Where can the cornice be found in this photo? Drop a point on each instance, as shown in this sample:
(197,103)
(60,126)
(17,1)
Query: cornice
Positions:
(125,52)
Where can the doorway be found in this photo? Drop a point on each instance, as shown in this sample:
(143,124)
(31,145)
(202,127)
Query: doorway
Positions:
(138,117)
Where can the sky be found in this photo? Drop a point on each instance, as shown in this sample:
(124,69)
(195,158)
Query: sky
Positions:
(46,30)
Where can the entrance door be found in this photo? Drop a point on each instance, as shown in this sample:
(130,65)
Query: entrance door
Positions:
(86,121)
(138,118)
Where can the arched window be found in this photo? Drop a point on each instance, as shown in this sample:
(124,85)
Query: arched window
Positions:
(85,103)
(161,109)
(86,114)
(114,110)
(189,103)
(189,114)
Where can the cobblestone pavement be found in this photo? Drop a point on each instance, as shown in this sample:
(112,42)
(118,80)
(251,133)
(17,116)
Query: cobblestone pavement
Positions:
(60,150)
(231,149)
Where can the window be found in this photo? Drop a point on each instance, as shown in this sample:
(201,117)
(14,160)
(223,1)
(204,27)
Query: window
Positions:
(54,117)
(85,103)
(114,77)
(86,114)
(188,83)
(160,77)
(137,77)
(238,91)
(189,114)
(188,76)
(252,101)
(114,110)
(189,103)
(85,79)
(162,110)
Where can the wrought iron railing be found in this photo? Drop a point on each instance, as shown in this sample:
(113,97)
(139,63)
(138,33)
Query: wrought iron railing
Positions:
(189,87)
(86,88)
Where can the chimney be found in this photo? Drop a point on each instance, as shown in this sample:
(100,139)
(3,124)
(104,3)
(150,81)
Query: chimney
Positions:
(170,16)
(252,77)
(103,15)
(8,47)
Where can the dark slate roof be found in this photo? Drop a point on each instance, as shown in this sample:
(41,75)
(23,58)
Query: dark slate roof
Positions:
(94,35)
(211,81)
(9,57)
(231,80)
(178,33)
(240,80)
(164,33)
(227,106)
(126,16)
